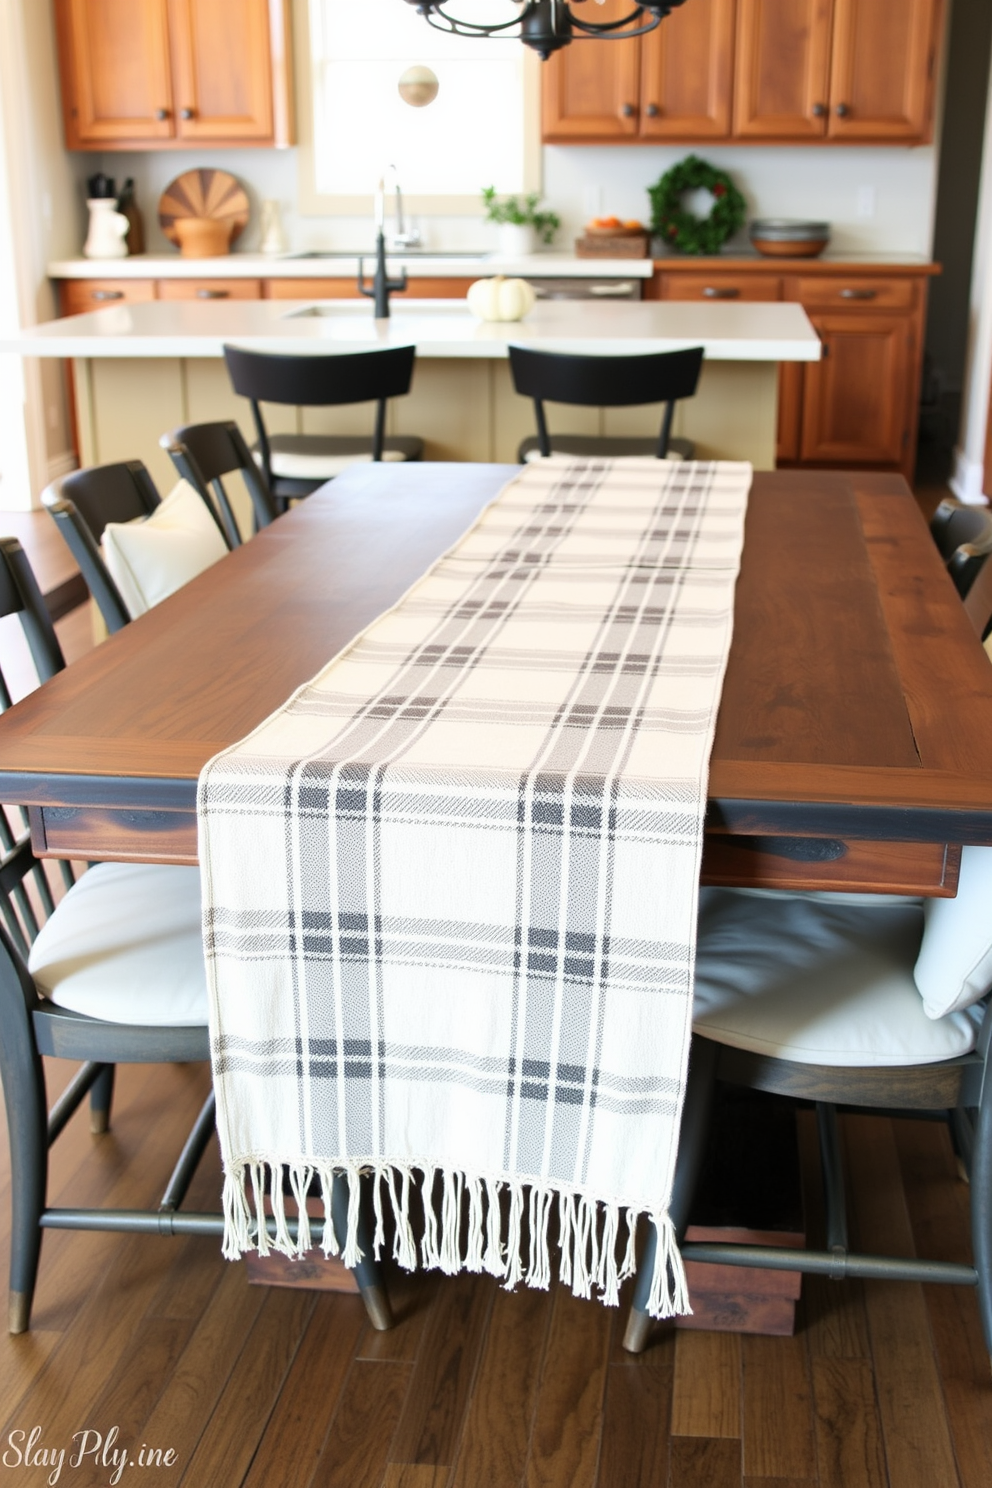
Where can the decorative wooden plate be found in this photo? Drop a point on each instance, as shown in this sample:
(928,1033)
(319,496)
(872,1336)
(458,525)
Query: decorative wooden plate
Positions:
(204,193)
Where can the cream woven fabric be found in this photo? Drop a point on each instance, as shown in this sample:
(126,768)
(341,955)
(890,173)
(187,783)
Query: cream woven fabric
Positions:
(450,887)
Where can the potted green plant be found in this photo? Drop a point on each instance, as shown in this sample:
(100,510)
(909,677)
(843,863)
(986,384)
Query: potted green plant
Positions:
(520,221)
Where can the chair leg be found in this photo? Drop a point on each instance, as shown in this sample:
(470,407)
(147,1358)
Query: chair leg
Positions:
(101,1097)
(367,1273)
(27,1122)
(692,1149)
(981,1212)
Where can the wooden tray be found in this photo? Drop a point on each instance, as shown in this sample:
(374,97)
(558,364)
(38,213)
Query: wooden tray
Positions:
(632,245)
(204,193)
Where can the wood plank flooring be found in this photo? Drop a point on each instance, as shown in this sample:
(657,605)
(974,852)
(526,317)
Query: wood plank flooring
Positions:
(883,1386)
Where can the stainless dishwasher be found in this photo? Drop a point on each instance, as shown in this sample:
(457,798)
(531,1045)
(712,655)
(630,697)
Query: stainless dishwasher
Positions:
(585,289)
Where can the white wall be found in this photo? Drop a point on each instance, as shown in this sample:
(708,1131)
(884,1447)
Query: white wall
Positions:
(40,199)
(969,456)
(896,185)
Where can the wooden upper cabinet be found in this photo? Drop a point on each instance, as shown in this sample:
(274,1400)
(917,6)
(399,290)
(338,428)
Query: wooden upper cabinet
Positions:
(884,61)
(592,88)
(162,74)
(686,67)
(222,69)
(782,83)
(116,81)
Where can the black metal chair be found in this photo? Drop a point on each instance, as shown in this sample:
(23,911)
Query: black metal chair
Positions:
(604,382)
(203,454)
(83,503)
(296,464)
(964,536)
(67,974)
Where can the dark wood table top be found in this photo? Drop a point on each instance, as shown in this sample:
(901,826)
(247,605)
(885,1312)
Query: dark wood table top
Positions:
(856,715)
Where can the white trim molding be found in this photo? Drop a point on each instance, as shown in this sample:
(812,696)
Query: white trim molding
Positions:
(966,479)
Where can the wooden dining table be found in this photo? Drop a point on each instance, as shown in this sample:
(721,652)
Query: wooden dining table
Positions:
(853,748)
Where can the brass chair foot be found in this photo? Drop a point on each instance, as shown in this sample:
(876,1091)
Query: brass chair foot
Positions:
(99,1122)
(639,1326)
(377,1306)
(18,1312)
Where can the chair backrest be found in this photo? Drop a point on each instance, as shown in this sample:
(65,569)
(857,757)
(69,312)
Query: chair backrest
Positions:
(320,381)
(204,453)
(978,601)
(953,524)
(25,893)
(605,382)
(82,504)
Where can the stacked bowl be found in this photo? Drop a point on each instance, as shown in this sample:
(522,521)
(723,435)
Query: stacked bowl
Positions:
(787,237)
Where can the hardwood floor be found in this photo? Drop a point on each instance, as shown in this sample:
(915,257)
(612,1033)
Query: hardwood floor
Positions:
(883,1386)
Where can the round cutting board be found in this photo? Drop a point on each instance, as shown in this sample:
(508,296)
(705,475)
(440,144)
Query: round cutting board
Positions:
(203,193)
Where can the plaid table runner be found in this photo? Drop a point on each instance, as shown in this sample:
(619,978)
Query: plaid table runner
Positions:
(450,888)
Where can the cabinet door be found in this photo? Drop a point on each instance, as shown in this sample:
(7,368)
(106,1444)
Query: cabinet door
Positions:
(686,69)
(115,71)
(223,69)
(592,88)
(783,58)
(882,78)
(856,401)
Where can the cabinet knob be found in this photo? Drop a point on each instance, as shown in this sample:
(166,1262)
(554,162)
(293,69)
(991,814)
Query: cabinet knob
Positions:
(858,294)
(842,110)
(186,113)
(628,111)
(652,111)
(722,292)
(819,109)
(161,113)
(212,294)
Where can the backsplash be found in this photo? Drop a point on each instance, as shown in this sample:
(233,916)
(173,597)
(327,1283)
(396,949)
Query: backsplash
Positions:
(878,200)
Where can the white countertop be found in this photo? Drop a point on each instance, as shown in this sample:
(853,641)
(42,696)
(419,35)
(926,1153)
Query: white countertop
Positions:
(738,332)
(345,266)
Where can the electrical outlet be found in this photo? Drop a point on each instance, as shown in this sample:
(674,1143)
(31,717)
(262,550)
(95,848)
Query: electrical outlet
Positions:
(866,201)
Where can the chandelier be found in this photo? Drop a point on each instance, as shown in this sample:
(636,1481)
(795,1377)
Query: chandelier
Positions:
(547,25)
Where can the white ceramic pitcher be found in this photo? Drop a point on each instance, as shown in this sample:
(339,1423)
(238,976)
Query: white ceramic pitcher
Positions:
(108,229)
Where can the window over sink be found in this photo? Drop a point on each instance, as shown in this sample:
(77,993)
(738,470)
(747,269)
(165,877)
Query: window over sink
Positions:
(481,129)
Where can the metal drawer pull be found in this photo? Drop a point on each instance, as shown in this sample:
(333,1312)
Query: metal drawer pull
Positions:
(623,288)
(858,294)
(107,294)
(212,294)
(712,292)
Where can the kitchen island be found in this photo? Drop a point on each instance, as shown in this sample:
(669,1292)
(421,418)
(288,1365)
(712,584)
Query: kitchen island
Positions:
(142,369)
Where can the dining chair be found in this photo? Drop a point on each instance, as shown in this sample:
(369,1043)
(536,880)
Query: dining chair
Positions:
(876,1003)
(294,465)
(113,973)
(203,454)
(605,382)
(85,504)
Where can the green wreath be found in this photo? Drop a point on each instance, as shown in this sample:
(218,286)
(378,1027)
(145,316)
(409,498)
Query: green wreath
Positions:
(683,230)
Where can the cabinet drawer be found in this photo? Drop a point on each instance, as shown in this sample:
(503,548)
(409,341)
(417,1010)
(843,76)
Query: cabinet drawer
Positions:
(210,289)
(834,294)
(721,287)
(76,296)
(311,289)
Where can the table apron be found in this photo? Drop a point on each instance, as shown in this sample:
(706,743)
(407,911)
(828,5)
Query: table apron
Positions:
(787,861)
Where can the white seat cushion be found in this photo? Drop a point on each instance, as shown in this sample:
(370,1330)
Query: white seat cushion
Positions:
(818,983)
(152,557)
(954,968)
(533,455)
(125,945)
(312,466)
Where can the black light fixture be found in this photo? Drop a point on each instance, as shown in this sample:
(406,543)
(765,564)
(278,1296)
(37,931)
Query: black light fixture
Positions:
(547,25)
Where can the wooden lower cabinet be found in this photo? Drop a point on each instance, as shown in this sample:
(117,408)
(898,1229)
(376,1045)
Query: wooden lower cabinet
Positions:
(857,405)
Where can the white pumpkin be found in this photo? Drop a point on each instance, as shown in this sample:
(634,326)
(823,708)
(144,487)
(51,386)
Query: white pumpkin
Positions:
(500,298)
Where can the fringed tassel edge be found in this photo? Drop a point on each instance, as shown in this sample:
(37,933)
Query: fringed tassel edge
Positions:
(465,1227)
